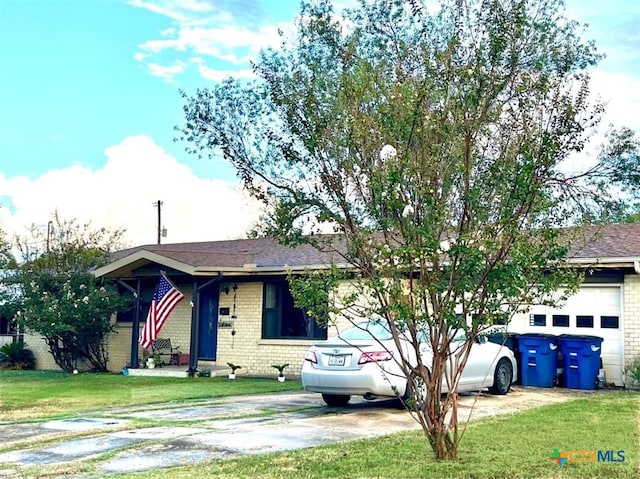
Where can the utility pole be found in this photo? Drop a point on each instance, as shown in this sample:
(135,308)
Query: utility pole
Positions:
(158,204)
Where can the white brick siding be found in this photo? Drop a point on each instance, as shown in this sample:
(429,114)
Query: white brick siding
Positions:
(631,317)
(247,348)
(44,360)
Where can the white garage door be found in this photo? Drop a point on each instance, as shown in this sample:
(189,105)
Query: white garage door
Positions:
(594,311)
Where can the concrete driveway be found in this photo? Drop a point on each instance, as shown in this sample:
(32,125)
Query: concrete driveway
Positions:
(141,438)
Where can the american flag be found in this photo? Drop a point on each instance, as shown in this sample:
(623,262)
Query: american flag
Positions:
(164,300)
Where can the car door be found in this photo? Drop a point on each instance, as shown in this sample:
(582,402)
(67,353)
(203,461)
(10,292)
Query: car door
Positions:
(475,373)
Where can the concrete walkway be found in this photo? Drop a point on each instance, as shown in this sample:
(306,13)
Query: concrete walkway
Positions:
(141,438)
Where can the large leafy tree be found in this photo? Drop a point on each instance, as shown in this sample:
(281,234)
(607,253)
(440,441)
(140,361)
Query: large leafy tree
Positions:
(58,297)
(433,145)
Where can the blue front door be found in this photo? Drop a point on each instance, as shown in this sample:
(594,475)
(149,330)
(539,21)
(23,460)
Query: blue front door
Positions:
(208,329)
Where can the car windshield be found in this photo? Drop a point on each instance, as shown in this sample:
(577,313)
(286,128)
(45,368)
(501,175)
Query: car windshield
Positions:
(367,330)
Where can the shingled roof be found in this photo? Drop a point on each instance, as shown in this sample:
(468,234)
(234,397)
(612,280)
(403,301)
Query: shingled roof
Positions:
(236,253)
(609,244)
(241,255)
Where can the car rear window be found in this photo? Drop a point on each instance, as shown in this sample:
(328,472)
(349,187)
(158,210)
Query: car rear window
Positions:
(367,330)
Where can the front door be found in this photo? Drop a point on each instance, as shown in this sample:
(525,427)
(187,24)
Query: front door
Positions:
(208,324)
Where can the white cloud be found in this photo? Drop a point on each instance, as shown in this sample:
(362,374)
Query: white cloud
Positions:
(622,94)
(122,195)
(168,10)
(213,31)
(167,72)
(231,44)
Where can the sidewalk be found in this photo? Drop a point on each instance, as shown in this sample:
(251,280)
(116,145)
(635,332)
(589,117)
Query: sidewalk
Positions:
(165,435)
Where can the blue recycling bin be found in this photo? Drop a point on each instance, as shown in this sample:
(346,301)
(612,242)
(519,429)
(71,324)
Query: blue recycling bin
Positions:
(538,359)
(580,360)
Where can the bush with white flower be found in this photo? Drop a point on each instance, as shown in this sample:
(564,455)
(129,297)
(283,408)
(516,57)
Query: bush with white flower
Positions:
(61,300)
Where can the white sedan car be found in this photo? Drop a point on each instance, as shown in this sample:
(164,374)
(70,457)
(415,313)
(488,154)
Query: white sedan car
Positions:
(364,361)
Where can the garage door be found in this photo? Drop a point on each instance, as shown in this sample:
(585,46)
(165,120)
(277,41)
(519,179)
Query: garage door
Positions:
(594,311)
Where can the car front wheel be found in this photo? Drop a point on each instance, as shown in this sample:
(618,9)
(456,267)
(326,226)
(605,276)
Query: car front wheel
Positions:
(336,400)
(502,377)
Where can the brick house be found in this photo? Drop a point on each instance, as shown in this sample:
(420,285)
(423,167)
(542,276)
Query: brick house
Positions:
(237,305)
(238,308)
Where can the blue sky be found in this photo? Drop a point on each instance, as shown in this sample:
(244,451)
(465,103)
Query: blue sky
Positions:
(82,75)
(89,99)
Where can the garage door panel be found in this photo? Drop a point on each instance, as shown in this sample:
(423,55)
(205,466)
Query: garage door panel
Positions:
(597,309)
(612,360)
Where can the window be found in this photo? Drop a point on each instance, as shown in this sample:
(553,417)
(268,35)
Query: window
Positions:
(282,320)
(584,321)
(560,320)
(609,322)
(537,320)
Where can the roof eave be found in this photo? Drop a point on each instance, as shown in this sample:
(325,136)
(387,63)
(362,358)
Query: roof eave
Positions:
(613,262)
(122,263)
(254,269)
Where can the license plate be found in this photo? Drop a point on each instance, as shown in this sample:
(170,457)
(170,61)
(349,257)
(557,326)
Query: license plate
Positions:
(336,361)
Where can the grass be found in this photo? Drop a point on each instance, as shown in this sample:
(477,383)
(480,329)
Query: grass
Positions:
(36,395)
(515,446)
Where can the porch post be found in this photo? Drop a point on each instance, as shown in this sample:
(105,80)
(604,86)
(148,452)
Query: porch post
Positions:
(135,329)
(135,326)
(195,325)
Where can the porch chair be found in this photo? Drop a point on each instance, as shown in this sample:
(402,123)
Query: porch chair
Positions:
(163,347)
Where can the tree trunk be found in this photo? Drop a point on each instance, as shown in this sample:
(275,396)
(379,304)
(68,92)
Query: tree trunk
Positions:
(444,448)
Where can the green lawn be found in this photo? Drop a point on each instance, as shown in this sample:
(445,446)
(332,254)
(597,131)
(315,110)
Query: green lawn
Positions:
(510,446)
(513,446)
(32,395)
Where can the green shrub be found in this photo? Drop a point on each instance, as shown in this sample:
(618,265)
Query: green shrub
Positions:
(16,356)
(632,372)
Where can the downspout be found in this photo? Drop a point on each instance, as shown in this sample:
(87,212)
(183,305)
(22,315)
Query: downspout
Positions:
(636,267)
(135,327)
(195,323)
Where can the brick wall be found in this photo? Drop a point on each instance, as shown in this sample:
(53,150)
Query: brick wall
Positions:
(247,348)
(631,318)
(44,360)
